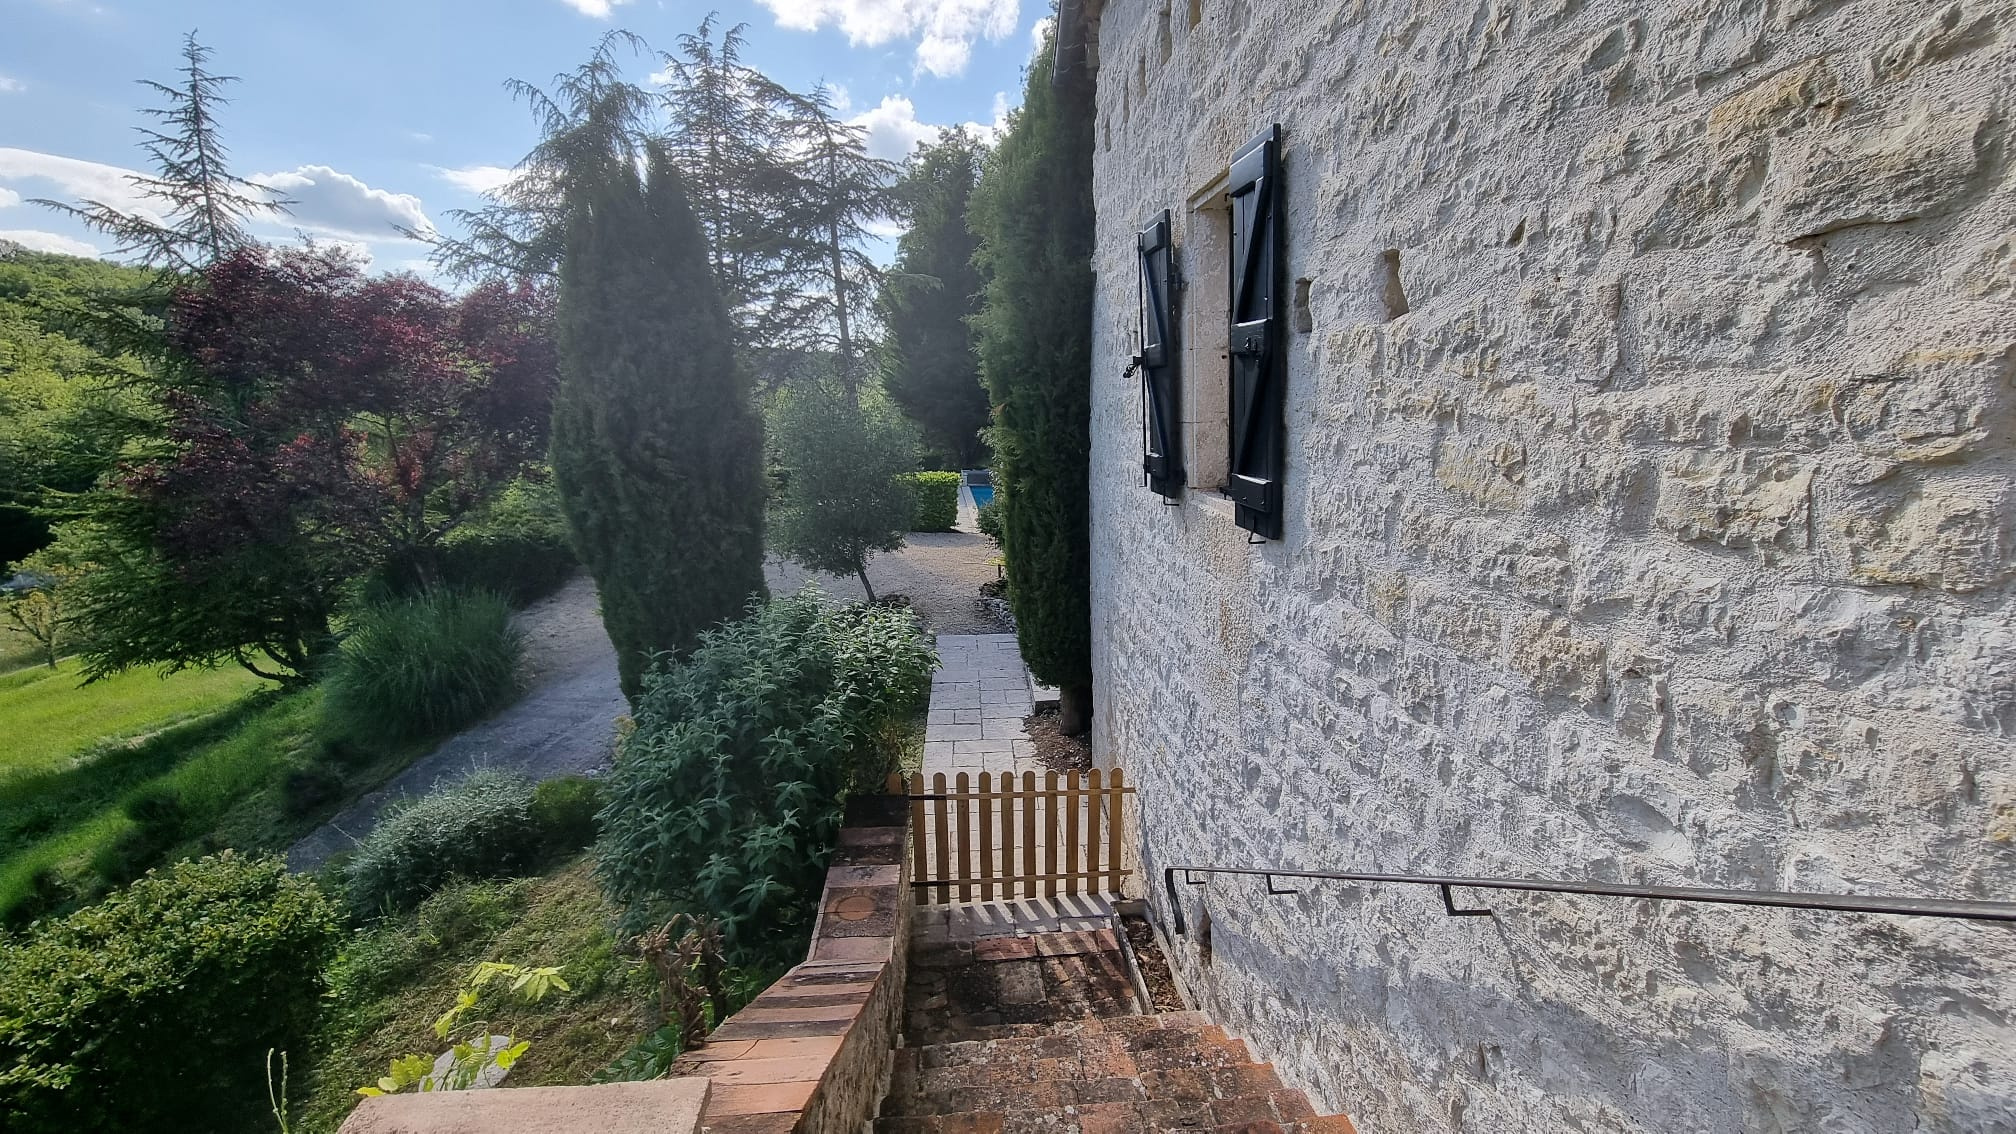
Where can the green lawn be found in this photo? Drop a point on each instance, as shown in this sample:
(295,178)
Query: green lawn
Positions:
(17,649)
(51,723)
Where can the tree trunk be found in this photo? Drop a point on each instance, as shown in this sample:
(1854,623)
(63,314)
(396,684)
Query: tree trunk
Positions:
(1074,710)
(861,573)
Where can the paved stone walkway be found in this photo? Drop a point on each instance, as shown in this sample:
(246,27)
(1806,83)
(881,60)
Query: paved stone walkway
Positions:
(978,699)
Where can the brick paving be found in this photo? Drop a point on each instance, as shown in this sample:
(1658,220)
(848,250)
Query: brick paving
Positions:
(1018,1034)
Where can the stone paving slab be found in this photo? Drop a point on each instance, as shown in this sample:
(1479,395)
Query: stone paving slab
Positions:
(979,696)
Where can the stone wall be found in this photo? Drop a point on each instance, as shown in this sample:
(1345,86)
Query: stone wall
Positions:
(1649,485)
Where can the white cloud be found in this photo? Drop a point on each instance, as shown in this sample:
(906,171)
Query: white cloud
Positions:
(599,9)
(10,85)
(72,179)
(420,136)
(1037,33)
(328,201)
(9,198)
(477,178)
(892,128)
(39,241)
(945,30)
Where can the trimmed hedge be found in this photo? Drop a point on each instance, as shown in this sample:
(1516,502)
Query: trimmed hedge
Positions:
(154,1009)
(937,501)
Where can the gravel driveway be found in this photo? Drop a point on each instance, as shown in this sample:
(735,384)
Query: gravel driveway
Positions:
(565,724)
(940,573)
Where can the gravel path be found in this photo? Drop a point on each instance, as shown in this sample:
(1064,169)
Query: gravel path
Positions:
(940,573)
(565,724)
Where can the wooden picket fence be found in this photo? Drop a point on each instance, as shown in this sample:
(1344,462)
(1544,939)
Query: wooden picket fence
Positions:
(995,839)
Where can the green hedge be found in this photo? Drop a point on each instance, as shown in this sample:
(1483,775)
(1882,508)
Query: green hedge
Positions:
(937,501)
(154,1009)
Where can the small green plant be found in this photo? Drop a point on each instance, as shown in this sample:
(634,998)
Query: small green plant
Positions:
(423,666)
(564,811)
(38,610)
(479,1050)
(480,827)
(989,517)
(937,496)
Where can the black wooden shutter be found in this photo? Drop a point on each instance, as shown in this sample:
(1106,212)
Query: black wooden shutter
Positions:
(1258,394)
(1161,392)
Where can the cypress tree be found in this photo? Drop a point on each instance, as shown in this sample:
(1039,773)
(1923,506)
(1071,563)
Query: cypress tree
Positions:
(1033,214)
(929,366)
(656,449)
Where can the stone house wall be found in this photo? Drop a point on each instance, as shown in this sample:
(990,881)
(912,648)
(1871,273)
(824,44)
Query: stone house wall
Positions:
(1648,519)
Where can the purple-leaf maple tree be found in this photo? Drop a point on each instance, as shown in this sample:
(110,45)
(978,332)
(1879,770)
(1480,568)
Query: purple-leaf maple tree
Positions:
(315,424)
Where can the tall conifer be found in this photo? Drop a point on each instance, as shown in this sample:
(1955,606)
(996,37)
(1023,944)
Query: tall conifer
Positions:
(1033,213)
(656,449)
(929,366)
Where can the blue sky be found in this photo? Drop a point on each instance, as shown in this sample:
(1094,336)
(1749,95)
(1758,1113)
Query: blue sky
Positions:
(374,112)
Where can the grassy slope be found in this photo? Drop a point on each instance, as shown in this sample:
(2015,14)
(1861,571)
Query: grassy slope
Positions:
(395,978)
(227,771)
(49,719)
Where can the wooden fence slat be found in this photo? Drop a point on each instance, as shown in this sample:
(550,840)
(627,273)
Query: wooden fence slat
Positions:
(1029,833)
(965,843)
(986,839)
(1114,818)
(944,857)
(1007,834)
(1050,834)
(920,866)
(1071,863)
(943,867)
(1096,804)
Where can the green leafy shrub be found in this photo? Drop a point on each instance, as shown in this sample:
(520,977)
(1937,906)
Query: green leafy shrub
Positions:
(989,517)
(564,811)
(937,495)
(481,827)
(517,547)
(725,799)
(154,1009)
(424,666)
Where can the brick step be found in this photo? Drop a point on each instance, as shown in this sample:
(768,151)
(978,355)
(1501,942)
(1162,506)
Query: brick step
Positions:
(1107,1118)
(1068,1044)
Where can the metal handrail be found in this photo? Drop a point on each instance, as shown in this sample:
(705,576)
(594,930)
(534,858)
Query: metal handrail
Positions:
(1841,903)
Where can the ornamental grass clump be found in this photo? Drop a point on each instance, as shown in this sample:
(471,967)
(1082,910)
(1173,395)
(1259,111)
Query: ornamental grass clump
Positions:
(480,827)
(421,667)
(726,799)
